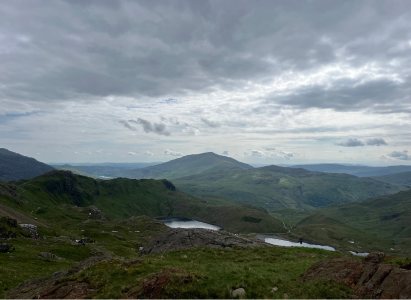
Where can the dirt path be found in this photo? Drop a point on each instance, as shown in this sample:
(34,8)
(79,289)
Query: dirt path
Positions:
(21,218)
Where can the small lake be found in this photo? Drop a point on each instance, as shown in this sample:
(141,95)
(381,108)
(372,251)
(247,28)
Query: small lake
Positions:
(359,254)
(176,222)
(279,242)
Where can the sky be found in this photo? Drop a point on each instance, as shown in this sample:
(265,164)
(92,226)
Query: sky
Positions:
(270,82)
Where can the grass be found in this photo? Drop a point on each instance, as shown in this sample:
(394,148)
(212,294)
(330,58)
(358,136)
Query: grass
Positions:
(214,273)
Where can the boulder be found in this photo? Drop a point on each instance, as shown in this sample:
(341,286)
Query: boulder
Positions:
(49,255)
(4,247)
(96,214)
(239,293)
(184,238)
(368,278)
(30,228)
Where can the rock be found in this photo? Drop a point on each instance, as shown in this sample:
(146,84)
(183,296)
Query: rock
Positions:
(406,266)
(274,289)
(239,293)
(181,238)
(49,255)
(4,247)
(96,214)
(375,257)
(368,278)
(30,228)
(286,296)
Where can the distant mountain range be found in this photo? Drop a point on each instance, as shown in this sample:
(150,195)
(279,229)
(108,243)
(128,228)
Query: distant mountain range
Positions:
(14,166)
(360,171)
(403,178)
(186,166)
(274,187)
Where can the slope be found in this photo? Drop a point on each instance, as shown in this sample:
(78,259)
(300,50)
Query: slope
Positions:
(186,166)
(403,178)
(47,197)
(274,187)
(360,171)
(14,166)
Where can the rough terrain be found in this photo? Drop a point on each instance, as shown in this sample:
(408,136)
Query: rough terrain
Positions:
(369,279)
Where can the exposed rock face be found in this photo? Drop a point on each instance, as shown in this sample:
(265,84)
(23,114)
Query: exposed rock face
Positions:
(96,214)
(180,238)
(4,247)
(370,278)
(29,227)
(51,288)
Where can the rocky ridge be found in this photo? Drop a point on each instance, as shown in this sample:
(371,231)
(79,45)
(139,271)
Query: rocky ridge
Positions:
(370,278)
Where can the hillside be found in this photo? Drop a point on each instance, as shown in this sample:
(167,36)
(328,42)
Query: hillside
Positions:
(275,187)
(403,178)
(121,198)
(14,166)
(359,171)
(186,166)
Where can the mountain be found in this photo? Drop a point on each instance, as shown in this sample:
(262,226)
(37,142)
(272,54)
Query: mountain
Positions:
(403,178)
(14,166)
(187,165)
(360,171)
(47,197)
(274,187)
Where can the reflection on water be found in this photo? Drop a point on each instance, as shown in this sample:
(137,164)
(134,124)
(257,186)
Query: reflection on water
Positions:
(359,254)
(175,222)
(279,242)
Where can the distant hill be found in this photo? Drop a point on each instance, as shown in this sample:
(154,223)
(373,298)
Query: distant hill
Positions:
(360,171)
(14,166)
(403,178)
(186,166)
(274,187)
(46,197)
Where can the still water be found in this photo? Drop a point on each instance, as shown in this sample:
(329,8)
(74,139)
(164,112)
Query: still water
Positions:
(175,222)
(279,242)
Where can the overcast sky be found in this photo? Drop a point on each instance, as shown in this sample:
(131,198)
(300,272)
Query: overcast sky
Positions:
(279,82)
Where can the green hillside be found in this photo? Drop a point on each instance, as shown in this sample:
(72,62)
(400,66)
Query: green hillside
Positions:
(186,166)
(14,166)
(46,196)
(275,187)
(360,171)
(403,178)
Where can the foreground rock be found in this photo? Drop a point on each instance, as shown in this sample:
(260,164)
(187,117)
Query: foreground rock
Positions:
(5,247)
(180,238)
(369,279)
(54,287)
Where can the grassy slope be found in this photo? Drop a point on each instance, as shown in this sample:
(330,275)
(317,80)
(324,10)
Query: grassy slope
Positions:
(187,165)
(121,198)
(275,187)
(387,217)
(398,178)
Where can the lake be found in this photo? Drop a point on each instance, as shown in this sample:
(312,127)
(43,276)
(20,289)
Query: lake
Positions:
(279,242)
(176,222)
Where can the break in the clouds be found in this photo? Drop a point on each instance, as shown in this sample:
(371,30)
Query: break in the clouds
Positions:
(301,75)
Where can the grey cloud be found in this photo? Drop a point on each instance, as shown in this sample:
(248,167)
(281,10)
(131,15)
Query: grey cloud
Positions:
(148,127)
(269,148)
(210,123)
(225,152)
(376,142)
(401,155)
(255,153)
(353,142)
(132,48)
(125,124)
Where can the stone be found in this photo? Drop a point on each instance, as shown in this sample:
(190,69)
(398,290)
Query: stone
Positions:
(49,255)
(5,247)
(239,293)
(30,228)
(274,289)
(375,257)
(185,238)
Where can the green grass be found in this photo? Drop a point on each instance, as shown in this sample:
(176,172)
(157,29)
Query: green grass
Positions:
(276,187)
(214,273)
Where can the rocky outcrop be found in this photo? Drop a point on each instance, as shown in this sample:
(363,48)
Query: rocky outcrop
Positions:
(369,278)
(179,238)
(49,255)
(5,247)
(96,214)
(57,286)
(30,228)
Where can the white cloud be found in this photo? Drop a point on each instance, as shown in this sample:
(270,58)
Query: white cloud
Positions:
(173,153)
(148,153)
(131,153)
